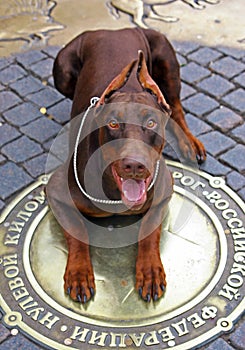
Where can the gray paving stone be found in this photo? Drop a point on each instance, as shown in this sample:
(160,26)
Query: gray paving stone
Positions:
(235,158)
(219,344)
(216,143)
(52,50)
(196,125)
(29,57)
(186,91)
(27,85)
(169,152)
(41,129)
(216,85)
(13,179)
(11,73)
(43,68)
(214,167)
(224,118)
(193,72)
(2,159)
(22,114)
(235,180)
(181,59)
(239,133)
(51,81)
(48,144)
(36,166)
(7,134)
(230,51)
(184,47)
(21,149)
(236,99)
(5,62)
(241,194)
(46,97)
(205,55)
(200,104)
(59,146)
(61,111)
(228,66)
(238,337)
(2,87)
(2,205)
(42,164)
(8,99)
(4,332)
(19,342)
(240,79)
(52,164)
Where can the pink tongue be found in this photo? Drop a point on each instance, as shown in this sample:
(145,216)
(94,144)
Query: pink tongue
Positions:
(133,190)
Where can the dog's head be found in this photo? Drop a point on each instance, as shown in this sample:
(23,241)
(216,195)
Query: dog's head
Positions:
(131,126)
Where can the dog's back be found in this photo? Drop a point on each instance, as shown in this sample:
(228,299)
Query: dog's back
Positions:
(88,64)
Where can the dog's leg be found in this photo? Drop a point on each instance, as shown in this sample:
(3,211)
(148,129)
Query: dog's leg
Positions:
(79,277)
(152,14)
(113,9)
(195,3)
(139,15)
(150,274)
(165,72)
(189,145)
(212,2)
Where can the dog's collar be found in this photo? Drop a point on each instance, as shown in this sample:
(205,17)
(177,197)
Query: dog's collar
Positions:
(93,102)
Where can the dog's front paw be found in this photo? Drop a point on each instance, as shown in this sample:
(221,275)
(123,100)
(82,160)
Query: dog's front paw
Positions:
(79,281)
(193,149)
(150,278)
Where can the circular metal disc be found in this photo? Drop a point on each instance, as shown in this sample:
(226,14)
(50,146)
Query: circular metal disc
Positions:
(202,250)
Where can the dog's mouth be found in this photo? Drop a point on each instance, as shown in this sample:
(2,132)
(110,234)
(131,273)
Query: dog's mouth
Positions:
(133,190)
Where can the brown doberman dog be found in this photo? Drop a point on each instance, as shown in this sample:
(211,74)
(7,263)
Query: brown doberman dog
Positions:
(136,75)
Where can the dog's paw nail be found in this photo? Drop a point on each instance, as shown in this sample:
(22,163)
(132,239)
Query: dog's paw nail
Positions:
(155,297)
(68,291)
(84,299)
(79,298)
(199,159)
(148,298)
(91,291)
(140,291)
(162,287)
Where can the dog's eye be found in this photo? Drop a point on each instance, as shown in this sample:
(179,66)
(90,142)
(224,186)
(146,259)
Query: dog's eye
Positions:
(113,124)
(151,124)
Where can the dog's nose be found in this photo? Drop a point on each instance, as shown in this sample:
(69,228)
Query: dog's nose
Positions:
(133,167)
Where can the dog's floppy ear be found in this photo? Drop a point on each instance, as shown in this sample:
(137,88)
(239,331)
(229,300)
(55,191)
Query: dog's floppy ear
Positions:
(148,83)
(118,82)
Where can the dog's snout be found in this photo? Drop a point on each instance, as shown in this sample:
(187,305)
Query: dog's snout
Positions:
(133,167)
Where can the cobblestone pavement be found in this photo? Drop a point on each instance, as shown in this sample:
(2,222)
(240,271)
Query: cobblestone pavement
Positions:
(213,97)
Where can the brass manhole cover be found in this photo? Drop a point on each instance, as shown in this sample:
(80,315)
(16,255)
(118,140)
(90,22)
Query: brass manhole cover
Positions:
(202,248)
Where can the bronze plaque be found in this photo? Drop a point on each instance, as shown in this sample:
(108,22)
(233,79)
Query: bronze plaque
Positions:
(202,249)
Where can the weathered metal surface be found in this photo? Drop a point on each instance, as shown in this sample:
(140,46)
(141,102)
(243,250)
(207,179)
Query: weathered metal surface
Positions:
(33,24)
(202,250)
